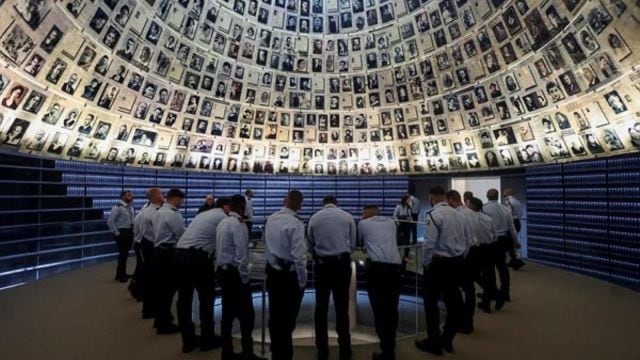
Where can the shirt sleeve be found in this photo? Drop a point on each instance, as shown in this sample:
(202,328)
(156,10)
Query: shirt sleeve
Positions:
(177,225)
(241,242)
(310,237)
(396,212)
(431,237)
(512,228)
(298,250)
(353,232)
(111,222)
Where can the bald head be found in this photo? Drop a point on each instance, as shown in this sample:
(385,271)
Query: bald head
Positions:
(370,211)
(493,195)
(155,196)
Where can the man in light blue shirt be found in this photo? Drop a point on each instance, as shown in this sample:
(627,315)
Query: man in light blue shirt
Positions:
(384,276)
(332,238)
(194,269)
(503,221)
(487,250)
(470,261)
(143,235)
(232,260)
(285,248)
(515,206)
(443,251)
(121,224)
(168,227)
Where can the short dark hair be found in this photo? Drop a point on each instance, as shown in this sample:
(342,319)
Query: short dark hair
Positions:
(295,197)
(468,195)
(437,191)
(493,194)
(330,199)
(124,192)
(453,195)
(237,203)
(222,201)
(475,204)
(246,192)
(370,207)
(175,193)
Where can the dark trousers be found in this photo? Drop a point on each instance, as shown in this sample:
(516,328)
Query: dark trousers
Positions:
(124,240)
(136,284)
(384,281)
(488,255)
(195,271)
(414,229)
(470,274)
(163,285)
(237,303)
(249,227)
(505,245)
(285,297)
(144,277)
(333,276)
(442,280)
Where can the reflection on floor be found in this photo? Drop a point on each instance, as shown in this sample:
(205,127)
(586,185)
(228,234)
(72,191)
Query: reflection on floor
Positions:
(85,315)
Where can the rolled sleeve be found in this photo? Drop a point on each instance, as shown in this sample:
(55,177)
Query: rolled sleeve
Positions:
(298,251)
(241,241)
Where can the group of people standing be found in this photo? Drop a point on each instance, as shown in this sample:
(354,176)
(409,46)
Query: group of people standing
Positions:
(172,258)
(465,242)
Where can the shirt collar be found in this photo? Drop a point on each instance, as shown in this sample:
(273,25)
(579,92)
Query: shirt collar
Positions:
(125,203)
(167,205)
(441,203)
(231,213)
(330,206)
(289,211)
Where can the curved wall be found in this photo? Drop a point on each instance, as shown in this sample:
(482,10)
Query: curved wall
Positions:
(320,87)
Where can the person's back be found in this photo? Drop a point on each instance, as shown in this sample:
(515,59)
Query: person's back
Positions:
(332,237)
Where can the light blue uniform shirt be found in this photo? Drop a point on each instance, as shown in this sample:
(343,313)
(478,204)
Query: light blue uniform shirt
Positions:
(168,225)
(142,224)
(331,231)
(501,217)
(514,205)
(121,217)
(284,239)
(467,216)
(378,235)
(201,233)
(445,233)
(483,228)
(232,245)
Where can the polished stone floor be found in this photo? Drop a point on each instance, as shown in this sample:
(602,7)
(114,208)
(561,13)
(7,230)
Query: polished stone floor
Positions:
(84,315)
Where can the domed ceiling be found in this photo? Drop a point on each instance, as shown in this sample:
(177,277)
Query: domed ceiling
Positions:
(320,86)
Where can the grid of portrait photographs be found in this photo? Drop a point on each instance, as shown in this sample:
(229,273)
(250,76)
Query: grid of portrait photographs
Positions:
(341,87)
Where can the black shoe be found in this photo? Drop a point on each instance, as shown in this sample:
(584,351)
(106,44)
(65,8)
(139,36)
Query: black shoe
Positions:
(485,307)
(167,329)
(346,354)
(230,355)
(500,303)
(448,347)
(466,329)
(382,356)
(190,345)
(214,342)
(322,354)
(507,297)
(516,264)
(148,316)
(428,346)
(251,356)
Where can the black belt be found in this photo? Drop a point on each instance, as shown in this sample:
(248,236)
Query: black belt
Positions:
(447,258)
(227,267)
(166,246)
(345,256)
(285,265)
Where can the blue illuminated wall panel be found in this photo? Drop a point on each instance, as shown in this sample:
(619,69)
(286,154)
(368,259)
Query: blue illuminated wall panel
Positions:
(53,212)
(585,217)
